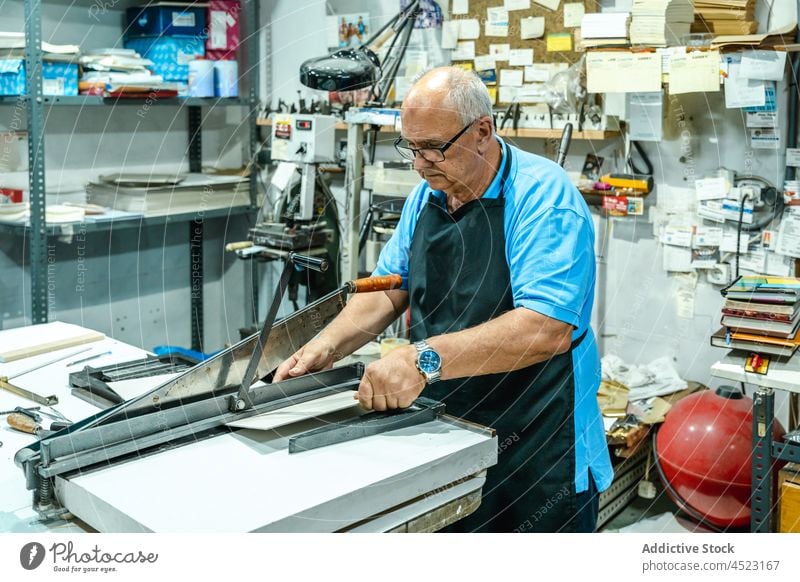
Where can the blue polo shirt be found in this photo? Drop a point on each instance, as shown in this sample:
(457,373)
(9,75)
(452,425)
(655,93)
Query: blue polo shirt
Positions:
(550,252)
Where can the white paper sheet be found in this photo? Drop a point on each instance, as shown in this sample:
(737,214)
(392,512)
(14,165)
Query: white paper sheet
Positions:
(740,91)
(789,233)
(517,4)
(793,157)
(520,57)
(707,236)
(469,29)
(711,188)
(694,72)
(623,72)
(645,116)
(763,138)
(676,235)
(573,13)
(450,29)
(297,412)
(464,51)
(460,7)
(531,27)
(496,22)
(484,62)
(500,52)
(764,65)
(511,77)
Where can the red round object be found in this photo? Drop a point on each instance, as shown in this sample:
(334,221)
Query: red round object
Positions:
(704,449)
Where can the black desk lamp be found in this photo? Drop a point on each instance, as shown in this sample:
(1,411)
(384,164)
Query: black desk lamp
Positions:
(351,69)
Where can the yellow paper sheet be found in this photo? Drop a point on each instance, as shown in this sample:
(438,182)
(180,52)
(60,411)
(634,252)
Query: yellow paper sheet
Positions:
(622,72)
(559,42)
(694,72)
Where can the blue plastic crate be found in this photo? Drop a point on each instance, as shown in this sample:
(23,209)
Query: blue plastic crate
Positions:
(165,20)
(170,54)
(57,78)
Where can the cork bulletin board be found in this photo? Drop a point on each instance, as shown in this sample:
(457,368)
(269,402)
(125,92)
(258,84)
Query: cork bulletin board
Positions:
(554,23)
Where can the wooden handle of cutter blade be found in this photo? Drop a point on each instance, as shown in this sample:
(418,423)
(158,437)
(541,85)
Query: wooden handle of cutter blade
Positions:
(236,246)
(370,284)
(22,423)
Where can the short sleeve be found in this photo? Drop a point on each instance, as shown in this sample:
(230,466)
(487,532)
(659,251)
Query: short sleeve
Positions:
(552,263)
(395,254)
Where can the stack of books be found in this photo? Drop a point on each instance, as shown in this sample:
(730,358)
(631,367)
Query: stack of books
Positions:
(761,314)
(726,17)
(660,22)
(604,29)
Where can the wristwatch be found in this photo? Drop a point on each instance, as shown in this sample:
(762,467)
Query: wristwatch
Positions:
(429,362)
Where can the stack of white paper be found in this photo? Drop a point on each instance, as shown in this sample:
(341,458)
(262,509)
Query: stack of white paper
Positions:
(604,28)
(660,22)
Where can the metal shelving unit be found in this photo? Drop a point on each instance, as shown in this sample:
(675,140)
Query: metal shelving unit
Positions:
(35,103)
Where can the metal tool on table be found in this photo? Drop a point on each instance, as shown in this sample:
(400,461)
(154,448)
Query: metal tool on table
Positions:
(27,394)
(204,399)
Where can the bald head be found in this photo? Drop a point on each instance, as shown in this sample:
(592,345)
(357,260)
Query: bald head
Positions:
(451,90)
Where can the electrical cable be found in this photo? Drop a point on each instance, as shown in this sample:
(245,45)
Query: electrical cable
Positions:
(644,158)
(739,230)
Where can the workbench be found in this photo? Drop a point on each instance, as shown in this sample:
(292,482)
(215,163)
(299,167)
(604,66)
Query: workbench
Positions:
(420,478)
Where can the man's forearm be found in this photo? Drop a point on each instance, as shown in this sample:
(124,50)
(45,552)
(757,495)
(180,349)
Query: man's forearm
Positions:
(515,340)
(364,317)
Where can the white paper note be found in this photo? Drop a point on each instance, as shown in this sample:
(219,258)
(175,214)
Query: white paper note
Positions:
(573,13)
(789,233)
(520,57)
(793,157)
(694,72)
(464,51)
(677,235)
(677,259)
(539,73)
(500,52)
(645,116)
(711,188)
(496,22)
(762,119)
(728,244)
(469,29)
(450,29)
(764,138)
(507,94)
(623,72)
(779,265)
(517,4)
(511,77)
(484,62)
(742,92)
(531,27)
(460,7)
(707,236)
(763,65)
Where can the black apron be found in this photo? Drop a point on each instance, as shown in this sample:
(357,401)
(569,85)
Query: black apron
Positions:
(459,278)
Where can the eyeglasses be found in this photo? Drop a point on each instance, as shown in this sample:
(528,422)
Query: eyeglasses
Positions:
(432,155)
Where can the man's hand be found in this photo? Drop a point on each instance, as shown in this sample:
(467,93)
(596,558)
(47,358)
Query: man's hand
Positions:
(318,354)
(391,382)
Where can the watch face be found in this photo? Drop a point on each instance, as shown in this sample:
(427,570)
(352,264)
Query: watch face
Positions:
(429,361)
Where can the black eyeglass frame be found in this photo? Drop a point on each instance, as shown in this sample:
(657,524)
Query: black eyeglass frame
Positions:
(417,151)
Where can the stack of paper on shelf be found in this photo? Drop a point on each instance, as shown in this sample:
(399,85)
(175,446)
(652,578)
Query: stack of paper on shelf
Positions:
(725,16)
(121,72)
(12,45)
(604,29)
(761,314)
(660,22)
(156,195)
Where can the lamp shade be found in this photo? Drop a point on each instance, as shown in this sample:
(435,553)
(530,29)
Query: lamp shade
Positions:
(344,70)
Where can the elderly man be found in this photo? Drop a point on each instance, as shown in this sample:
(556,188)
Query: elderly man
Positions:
(496,250)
